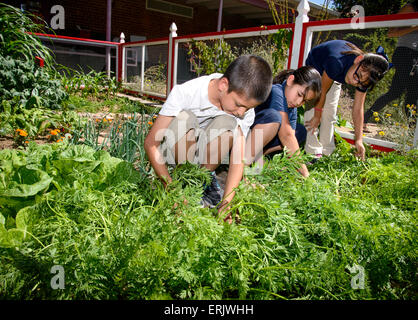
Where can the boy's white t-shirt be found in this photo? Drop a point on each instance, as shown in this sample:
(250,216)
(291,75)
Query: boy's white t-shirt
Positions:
(193,96)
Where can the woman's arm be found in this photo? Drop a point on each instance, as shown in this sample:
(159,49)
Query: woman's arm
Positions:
(326,83)
(358,119)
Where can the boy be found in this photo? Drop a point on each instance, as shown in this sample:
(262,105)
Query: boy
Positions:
(205,119)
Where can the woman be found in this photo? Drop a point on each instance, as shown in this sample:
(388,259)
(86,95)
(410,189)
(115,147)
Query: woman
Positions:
(405,61)
(340,62)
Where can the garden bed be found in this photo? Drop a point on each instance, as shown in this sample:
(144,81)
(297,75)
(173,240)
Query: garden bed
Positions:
(93,209)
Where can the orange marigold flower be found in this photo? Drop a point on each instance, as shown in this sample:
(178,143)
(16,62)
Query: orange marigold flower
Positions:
(22,133)
(150,122)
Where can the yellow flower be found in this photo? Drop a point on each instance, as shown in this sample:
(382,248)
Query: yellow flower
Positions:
(413,112)
(388,115)
(396,123)
(375,114)
(408,106)
(395,104)
(377,119)
(381,133)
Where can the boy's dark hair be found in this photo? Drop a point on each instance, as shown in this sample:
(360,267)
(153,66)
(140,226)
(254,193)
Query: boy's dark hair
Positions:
(373,63)
(251,76)
(304,76)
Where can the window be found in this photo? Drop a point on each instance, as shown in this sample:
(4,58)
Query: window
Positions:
(171,8)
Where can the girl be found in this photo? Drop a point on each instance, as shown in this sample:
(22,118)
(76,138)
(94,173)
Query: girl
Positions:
(338,62)
(275,125)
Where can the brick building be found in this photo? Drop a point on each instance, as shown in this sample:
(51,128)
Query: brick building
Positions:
(151,19)
(144,19)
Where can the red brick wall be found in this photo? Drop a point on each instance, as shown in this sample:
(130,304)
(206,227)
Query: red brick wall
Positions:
(132,18)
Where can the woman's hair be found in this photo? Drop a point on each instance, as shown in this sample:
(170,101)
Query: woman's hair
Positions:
(250,75)
(375,64)
(304,76)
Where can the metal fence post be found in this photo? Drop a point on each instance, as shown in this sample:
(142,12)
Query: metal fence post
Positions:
(172,65)
(303,9)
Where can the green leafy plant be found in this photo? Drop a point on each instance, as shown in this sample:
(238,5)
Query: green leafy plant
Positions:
(16,35)
(281,40)
(28,86)
(24,84)
(118,233)
(210,58)
(123,138)
(282,37)
(92,83)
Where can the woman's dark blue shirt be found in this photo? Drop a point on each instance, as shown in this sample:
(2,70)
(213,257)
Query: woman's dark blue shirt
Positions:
(328,57)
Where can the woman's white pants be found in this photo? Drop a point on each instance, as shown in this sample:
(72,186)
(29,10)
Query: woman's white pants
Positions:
(322,140)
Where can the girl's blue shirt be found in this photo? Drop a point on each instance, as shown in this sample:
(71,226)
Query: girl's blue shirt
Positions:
(328,57)
(277,101)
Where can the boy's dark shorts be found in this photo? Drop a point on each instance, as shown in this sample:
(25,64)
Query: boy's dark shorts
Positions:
(270,115)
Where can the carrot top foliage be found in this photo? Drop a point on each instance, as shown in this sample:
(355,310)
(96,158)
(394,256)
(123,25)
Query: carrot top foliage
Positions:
(118,234)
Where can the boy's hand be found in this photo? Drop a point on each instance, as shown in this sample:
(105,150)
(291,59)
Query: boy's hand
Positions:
(223,208)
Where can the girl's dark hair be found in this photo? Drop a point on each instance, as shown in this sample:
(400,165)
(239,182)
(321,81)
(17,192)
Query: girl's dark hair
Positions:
(250,75)
(375,64)
(304,76)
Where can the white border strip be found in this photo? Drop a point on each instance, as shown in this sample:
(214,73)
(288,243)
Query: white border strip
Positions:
(373,141)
